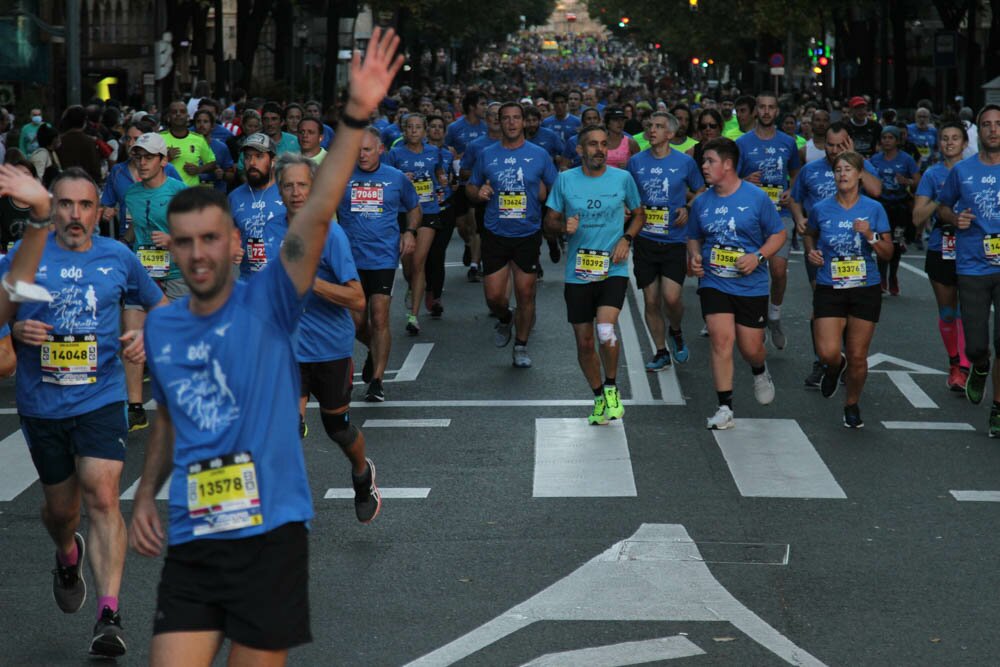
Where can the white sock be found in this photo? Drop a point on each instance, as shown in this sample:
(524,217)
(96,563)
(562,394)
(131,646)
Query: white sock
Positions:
(773,312)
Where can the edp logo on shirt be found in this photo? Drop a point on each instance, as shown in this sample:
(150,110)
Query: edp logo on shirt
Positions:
(71,273)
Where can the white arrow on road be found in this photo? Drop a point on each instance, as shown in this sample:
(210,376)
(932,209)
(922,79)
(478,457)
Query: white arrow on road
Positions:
(655,575)
(901,378)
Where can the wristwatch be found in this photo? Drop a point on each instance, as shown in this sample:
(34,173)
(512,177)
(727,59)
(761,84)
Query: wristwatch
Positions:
(761,259)
(627,237)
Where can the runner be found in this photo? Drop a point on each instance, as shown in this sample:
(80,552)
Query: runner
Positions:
(512,177)
(421,163)
(562,121)
(238,569)
(899,172)
(733,230)
(971,190)
(588,205)
(257,208)
(369,213)
(815,147)
(864,131)
(271,119)
(188,151)
(310,134)
(436,257)
(843,234)
(743,119)
(224,173)
(620,146)
(924,136)
(71,388)
(770,159)
(682,141)
(326,336)
(458,136)
(665,176)
(940,263)
(477,209)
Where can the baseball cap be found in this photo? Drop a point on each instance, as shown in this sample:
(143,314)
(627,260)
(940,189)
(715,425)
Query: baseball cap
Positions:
(614,112)
(894,131)
(857,101)
(152,143)
(260,142)
(139,115)
(526,100)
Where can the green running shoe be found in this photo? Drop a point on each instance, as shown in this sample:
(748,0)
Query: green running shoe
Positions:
(975,386)
(597,417)
(994,422)
(614,408)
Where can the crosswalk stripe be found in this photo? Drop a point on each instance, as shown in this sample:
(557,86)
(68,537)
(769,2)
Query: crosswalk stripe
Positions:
(576,460)
(406,423)
(929,426)
(17,472)
(977,496)
(385,491)
(773,458)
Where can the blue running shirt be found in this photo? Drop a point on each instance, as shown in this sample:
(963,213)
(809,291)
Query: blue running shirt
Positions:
(515,175)
(262,220)
(773,158)
(422,166)
(664,184)
(973,185)
(326,331)
(848,258)
(369,213)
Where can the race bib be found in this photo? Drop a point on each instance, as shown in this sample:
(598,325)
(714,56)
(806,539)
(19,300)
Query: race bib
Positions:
(948,244)
(69,359)
(722,261)
(223,494)
(991,245)
(155,260)
(774,194)
(513,205)
(592,265)
(425,190)
(367,198)
(256,253)
(848,271)
(657,220)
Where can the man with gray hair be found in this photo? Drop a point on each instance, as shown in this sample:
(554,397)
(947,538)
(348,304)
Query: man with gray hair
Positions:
(924,136)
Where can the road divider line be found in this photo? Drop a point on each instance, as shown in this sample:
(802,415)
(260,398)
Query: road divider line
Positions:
(636,367)
(576,460)
(773,458)
(406,423)
(163,494)
(929,426)
(976,496)
(386,491)
(670,386)
(17,472)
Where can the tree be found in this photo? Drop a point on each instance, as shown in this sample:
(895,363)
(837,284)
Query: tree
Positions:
(251,15)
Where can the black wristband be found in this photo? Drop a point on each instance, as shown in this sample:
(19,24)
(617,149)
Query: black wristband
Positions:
(351,121)
(411,230)
(627,237)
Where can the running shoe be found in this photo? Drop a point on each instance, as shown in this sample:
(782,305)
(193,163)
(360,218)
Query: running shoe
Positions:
(679,349)
(68,586)
(613,403)
(598,416)
(109,638)
(428,300)
(375,392)
(521,358)
(704,332)
(777,335)
(467,256)
(815,376)
(137,419)
(994,422)
(502,331)
(852,417)
(412,326)
(658,363)
(975,386)
(436,309)
(957,377)
(763,388)
(473,274)
(368,370)
(831,378)
(367,498)
(555,253)
(721,420)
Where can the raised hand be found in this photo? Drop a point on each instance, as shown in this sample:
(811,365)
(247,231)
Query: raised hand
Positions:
(18,184)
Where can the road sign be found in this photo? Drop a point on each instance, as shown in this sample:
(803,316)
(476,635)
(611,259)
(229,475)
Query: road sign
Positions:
(776,60)
(777,71)
(901,377)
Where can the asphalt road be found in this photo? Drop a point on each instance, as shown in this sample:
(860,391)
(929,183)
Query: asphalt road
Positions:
(507,538)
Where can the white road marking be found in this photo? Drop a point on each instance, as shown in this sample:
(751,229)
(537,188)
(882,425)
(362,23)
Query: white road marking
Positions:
(386,491)
(670,388)
(620,655)
(412,365)
(483,403)
(929,426)
(17,472)
(773,458)
(655,575)
(906,385)
(912,269)
(634,364)
(163,494)
(406,423)
(977,496)
(576,460)
(8,411)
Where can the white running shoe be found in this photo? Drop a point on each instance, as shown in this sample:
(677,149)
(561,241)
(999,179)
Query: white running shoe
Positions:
(721,420)
(763,388)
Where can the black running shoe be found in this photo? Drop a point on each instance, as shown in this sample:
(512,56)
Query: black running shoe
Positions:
(367,499)
(437,310)
(137,417)
(815,376)
(831,378)
(375,392)
(68,587)
(109,638)
(852,417)
(368,370)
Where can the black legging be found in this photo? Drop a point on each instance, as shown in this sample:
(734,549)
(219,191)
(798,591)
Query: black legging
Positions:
(434,267)
(900,216)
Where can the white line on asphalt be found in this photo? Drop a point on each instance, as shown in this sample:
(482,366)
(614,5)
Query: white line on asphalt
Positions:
(977,496)
(670,388)
(930,426)
(17,472)
(406,423)
(576,460)
(657,574)
(773,458)
(912,269)
(386,491)
(485,403)
(164,493)
(909,388)
(626,653)
(412,365)
(635,366)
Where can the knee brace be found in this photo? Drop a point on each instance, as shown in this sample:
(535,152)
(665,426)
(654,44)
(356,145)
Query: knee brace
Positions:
(948,314)
(339,428)
(606,333)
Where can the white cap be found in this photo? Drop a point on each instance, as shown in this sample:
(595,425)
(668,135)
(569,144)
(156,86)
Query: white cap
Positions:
(152,143)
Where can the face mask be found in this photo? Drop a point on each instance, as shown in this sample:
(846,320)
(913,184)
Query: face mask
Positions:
(36,119)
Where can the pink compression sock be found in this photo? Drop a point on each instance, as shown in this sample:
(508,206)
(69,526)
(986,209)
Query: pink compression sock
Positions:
(960,339)
(109,601)
(949,334)
(71,558)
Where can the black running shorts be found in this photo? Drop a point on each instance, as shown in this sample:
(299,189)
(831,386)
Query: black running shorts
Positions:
(583,300)
(498,251)
(329,381)
(653,260)
(863,303)
(750,311)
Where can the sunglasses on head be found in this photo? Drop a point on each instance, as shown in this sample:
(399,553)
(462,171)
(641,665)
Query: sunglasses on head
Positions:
(707,126)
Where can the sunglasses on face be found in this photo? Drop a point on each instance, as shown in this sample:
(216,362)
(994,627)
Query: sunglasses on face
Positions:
(708,126)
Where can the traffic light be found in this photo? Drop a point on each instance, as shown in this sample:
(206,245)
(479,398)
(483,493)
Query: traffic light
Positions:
(656,46)
(823,61)
(817,70)
(696,61)
(623,23)
(693,4)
